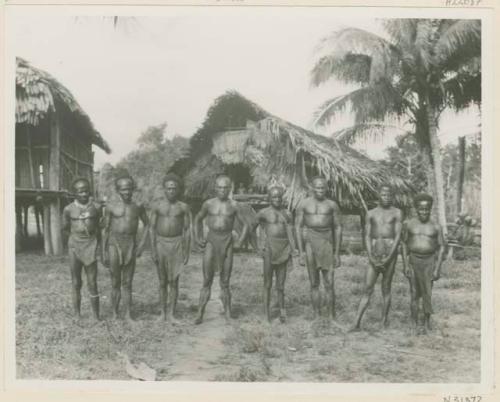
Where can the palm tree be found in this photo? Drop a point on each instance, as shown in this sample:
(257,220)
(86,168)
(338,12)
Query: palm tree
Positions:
(419,68)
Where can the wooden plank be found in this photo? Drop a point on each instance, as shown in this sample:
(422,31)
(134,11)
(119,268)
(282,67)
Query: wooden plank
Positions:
(30,159)
(47,241)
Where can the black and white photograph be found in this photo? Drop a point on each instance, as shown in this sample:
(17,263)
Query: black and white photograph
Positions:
(249,195)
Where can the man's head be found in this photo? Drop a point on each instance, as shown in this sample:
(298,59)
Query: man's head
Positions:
(223,187)
(423,205)
(125,186)
(385,196)
(81,188)
(319,186)
(172,186)
(275,195)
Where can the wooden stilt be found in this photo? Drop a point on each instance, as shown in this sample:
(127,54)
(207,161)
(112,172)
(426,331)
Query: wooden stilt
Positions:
(55,227)
(47,241)
(19,229)
(25,223)
(37,219)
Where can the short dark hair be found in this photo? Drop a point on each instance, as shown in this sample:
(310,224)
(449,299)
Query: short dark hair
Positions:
(280,189)
(318,178)
(124,177)
(423,197)
(385,185)
(223,176)
(173,177)
(80,179)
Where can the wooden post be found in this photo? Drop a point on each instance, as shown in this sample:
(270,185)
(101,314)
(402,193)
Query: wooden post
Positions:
(19,228)
(54,180)
(461,172)
(47,240)
(30,158)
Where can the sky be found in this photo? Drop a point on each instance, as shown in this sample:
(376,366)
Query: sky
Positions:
(170,68)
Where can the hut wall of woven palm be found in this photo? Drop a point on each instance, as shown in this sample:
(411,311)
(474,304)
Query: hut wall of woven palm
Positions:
(38,94)
(238,131)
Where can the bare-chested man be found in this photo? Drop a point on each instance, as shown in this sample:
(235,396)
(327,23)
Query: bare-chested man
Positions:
(423,254)
(382,237)
(120,249)
(81,220)
(221,213)
(321,219)
(279,247)
(171,225)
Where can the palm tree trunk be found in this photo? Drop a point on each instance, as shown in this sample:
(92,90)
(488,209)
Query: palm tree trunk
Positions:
(461,172)
(435,150)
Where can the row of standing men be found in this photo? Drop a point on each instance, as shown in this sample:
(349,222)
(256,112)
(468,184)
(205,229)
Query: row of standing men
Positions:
(318,232)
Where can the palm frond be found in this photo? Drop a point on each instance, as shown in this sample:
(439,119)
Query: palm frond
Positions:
(373,102)
(349,68)
(355,41)
(364,131)
(463,36)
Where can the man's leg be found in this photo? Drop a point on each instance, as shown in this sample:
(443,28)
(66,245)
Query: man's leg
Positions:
(427,296)
(370,279)
(91,271)
(128,276)
(413,299)
(225,278)
(174,290)
(268,283)
(314,281)
(208,278)
(76,283)
(280,285)
(115,272)
(161,269)
(386,290)
(329,284)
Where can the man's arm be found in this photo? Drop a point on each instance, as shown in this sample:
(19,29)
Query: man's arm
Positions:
(404,249)
(143,216)
(188,224)
(66,223)
(105,236)
(197,221)
(152,233)
(299,224)
(244,224)
(289,232)
(253,231)
(368,242)
(397,238)
(441,251)
(337,231)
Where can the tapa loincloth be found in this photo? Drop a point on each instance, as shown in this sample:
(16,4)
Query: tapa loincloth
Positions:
(83,248)
(124,245)
(221,242)
(171,255)
(321,243)
(423,269)
(381,248)
(279,249)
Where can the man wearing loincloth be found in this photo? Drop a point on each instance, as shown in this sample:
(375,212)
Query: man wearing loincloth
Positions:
(220,213)
(81,220)
(121,220)
(382,237)
(279,247)
(319,234)
(170,232)
(423,254)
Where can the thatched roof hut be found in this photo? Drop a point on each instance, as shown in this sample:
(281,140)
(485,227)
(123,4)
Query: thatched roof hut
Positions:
(54,138)
(241,139)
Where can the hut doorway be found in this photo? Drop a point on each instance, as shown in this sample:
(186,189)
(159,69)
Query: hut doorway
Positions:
(241,177)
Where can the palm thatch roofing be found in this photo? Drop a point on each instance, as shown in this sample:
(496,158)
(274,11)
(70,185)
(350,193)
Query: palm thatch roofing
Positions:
(238,131)
(38,94)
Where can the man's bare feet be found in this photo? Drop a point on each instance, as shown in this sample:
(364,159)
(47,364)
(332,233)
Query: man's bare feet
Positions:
(355,328)
(172,320)
(162,318)
(198,320)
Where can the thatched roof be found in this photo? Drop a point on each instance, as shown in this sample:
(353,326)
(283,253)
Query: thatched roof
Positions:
(38,93)
(237,130)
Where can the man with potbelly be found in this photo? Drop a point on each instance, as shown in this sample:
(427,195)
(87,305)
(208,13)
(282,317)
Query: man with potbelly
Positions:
(278,249)
(319,234)
(170,232)
(81,219)
(382,237)
(423,254)
(220,214)
(120,249)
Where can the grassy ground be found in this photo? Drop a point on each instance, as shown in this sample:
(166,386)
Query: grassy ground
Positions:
(50,345)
